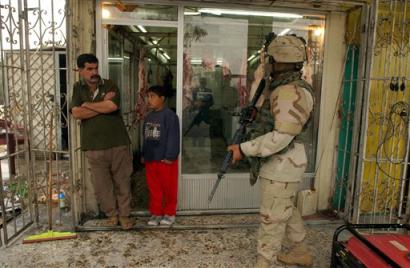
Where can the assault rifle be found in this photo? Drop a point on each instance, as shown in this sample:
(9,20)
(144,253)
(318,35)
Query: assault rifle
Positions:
(247,116)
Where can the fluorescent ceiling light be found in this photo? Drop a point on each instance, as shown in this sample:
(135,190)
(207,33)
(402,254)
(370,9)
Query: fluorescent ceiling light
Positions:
(115,59)
(166,56)
(219,12)
(162,58)
(284,31)
(191,13)
(251,57)
(196,61)
(142,29)
(133,28)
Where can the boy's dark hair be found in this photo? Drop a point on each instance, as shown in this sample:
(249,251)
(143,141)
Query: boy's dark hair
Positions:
(86,58)
(159,90)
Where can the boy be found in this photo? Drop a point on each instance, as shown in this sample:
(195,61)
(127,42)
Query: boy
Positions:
(160,154)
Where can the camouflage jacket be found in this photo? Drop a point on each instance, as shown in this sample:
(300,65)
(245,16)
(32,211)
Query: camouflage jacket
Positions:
(275,147)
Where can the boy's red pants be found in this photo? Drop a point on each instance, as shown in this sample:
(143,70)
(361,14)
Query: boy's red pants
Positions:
(162,181)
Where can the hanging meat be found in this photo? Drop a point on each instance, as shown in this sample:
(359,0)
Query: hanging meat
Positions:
(187,81)
(243,91)
(141,106)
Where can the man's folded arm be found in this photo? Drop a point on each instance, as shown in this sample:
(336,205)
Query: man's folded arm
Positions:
(82,113)
(91,109)
(101,107)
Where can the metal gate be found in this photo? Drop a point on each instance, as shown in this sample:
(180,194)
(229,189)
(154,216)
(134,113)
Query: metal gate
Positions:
(34,156)
(379,178)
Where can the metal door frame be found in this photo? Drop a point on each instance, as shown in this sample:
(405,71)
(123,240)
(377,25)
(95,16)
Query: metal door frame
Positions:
(18,30)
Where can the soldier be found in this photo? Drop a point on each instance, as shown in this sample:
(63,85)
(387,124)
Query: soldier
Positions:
(276,150)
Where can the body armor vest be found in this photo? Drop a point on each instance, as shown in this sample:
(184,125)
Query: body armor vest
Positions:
(264,121)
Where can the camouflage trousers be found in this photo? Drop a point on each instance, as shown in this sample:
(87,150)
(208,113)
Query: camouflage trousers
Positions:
(279,219)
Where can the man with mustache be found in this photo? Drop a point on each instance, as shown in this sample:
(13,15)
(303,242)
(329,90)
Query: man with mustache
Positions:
(104,138)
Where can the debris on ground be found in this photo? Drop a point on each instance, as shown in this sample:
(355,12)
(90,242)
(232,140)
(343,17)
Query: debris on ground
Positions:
(230,247)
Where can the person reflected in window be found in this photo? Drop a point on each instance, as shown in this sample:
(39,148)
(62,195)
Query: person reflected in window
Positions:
(229,96)
(160,153)
(202,99)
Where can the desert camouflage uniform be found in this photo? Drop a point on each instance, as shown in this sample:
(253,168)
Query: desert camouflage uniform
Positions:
(279,160)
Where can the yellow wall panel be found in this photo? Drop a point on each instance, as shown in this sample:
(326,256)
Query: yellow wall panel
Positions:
(386,132)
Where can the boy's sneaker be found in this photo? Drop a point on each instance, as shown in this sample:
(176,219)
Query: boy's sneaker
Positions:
(154,220)
(167,220)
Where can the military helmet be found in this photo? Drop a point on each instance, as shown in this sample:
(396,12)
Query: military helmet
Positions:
(287,49)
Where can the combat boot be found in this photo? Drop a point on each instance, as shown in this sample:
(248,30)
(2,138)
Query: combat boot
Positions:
(262,262)
(299,255)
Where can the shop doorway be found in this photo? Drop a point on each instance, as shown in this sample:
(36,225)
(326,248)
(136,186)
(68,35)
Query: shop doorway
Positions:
(141,56)
(208,56)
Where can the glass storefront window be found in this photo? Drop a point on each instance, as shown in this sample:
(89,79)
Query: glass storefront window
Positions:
(139,12)
(221,53)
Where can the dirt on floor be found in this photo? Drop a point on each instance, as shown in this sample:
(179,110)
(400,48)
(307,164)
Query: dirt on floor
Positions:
(159,247)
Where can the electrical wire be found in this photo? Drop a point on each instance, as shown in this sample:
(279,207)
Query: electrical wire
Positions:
(402,110)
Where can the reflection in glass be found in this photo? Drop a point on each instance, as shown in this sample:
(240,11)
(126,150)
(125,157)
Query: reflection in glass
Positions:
(118,11)
(221,53)
(215,60)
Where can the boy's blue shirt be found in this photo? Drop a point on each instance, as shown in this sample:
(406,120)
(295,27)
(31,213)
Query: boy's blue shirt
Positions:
(161,136)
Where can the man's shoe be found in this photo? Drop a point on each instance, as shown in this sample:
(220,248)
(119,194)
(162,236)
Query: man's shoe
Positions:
(299,255)
(262,262)
(126,223)
(111,221)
